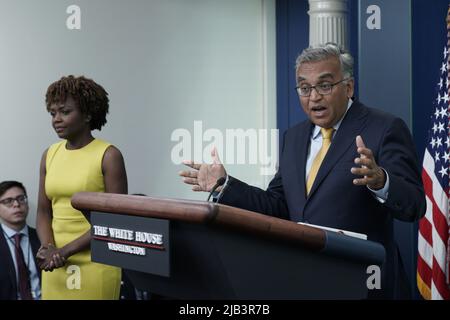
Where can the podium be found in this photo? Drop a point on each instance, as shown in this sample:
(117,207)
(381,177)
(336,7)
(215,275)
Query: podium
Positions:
(186,249)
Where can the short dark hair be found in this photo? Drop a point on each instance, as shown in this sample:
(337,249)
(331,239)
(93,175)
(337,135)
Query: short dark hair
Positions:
(92,99)
(6,185)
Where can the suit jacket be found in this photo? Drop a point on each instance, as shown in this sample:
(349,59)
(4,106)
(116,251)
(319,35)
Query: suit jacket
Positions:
(334,201)
(8,284)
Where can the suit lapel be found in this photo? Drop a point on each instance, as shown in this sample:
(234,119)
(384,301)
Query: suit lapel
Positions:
(301,148)
(7,259)
(350,127)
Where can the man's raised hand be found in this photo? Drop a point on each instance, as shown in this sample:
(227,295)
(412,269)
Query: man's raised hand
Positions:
(204,176)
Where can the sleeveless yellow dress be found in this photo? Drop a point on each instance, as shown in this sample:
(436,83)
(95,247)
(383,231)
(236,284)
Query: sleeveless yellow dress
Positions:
(68,172)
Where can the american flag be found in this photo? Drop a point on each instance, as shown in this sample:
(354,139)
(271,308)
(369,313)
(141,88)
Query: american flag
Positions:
(434,241)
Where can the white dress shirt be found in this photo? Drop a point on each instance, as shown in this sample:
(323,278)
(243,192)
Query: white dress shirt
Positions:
(28,256)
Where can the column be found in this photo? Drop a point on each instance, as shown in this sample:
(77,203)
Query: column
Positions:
(328,22)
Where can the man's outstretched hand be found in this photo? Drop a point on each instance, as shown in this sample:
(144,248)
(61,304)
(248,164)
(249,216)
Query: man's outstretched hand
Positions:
(204,176)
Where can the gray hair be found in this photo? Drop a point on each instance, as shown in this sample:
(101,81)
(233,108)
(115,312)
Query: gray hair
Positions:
(323,52)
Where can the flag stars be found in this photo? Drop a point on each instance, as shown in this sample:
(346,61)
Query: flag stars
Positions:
(438,142)
(437,113)
(443,171)
(447,142)
(439,98)
(446,98)
(440,84)
(446,157)
(435,128)
(437,157)
(443,67)
(433,142)
(441,127)
(443,112)
(445,52)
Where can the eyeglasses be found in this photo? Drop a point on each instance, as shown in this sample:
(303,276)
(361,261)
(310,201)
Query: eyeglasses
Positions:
(9,202)
(323,88)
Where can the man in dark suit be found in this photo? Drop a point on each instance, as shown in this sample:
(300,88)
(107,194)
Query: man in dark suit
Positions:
(19,244)
(348,166)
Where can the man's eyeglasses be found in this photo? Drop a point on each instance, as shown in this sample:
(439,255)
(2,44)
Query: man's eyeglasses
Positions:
(323,88)
(9,202)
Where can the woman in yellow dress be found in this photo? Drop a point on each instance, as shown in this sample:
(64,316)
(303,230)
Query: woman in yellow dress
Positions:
(79,162)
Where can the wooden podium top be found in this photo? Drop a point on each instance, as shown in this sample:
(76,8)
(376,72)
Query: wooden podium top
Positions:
(203,213)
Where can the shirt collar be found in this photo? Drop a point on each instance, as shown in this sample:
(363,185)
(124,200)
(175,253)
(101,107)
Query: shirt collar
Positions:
(316,130)
(11,232)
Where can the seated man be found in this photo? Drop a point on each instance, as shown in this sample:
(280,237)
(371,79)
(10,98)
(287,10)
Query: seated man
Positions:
(19,244)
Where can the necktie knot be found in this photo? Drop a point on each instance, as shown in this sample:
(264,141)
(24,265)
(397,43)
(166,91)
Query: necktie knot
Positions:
(327,133)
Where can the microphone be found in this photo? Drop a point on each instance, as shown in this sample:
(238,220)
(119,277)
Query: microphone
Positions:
(219,182)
